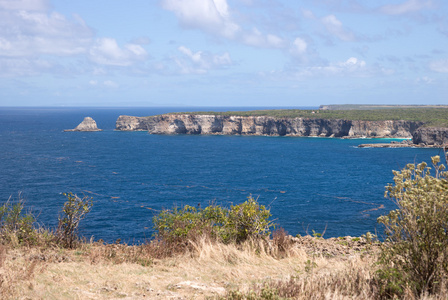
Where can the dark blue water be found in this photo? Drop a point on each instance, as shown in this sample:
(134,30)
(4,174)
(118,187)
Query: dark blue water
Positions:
(309,183)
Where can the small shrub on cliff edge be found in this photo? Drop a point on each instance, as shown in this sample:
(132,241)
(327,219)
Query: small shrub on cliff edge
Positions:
(248,220)
(73,212)
(415,253)
(16,226)
(235,224)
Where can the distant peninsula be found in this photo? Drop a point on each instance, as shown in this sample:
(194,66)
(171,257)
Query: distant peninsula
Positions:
(425,125)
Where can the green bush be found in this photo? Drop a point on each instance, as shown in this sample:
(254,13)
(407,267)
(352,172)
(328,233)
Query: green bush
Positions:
(16,225)
(73,212)
(248,220)
(414,255)
(235,224)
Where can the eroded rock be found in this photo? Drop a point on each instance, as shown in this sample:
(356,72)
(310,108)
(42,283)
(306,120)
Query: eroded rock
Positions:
(264,125)
(431,136)
(88,124)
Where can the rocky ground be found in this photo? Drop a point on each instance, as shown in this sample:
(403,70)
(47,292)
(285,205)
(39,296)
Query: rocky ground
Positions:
(402,144)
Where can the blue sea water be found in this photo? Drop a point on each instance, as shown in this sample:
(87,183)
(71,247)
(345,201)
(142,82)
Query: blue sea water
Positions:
(319,184)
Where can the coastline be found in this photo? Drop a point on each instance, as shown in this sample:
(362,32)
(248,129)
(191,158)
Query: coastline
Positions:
(385,145)
(264,125)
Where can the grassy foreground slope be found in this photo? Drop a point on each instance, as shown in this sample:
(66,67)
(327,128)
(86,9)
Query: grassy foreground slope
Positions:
(431,116)
(311,268)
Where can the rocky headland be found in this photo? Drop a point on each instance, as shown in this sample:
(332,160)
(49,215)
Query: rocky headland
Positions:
(430,136)
(264,125)
(88,124)
(274,126)
(423,137)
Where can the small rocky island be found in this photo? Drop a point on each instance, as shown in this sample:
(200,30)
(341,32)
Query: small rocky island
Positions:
(88,124)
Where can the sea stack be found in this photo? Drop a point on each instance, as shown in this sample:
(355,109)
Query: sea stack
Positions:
(88,124)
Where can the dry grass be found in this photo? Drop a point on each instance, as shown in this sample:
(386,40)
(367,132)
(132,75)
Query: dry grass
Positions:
(286,268)
(17,269)
(117,271)
(320,278)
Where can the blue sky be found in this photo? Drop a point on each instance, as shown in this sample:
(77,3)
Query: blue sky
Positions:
(223,52)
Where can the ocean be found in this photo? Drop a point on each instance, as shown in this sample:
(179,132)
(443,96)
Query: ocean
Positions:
(310,184)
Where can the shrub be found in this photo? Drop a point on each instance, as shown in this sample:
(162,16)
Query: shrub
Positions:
(235,224)
(73,212)
(248,220)
(16,226)
(415,253)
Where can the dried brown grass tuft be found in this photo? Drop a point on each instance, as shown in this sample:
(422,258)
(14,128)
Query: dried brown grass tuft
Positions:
(99,252)
(17,268)
(352,280)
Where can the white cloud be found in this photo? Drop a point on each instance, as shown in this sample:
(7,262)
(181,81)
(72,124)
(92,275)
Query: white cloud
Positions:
(440,66)
(335,27)
(213,17)
(200,62)
(308,14)
(15,67)
(29,32)
(351,66)
(32,33)
(195,57)
(274,41)
(299,46)
(222,60)
(110,84)
(106,51)
(353,62)
(406,7)
(105,83)
(255,38)
(24,4)
(208,15)
(424,80)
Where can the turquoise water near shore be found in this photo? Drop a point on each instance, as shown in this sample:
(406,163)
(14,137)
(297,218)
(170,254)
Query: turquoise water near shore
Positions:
(309,183)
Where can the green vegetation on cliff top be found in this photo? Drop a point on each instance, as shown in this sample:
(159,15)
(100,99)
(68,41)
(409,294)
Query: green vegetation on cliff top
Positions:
(431,116)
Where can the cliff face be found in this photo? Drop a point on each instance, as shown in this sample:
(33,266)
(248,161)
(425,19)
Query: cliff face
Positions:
(130,123)
(388,128)
(228,125)
(430,136)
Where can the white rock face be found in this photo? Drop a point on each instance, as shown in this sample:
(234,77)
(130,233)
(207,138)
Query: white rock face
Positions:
(262,125)
(88,124)
(130,123)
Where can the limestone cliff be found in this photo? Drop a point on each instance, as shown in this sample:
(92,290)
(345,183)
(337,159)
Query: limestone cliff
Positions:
(130,123)
(228,125)
(88,124)
(430,136)
(387,128)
